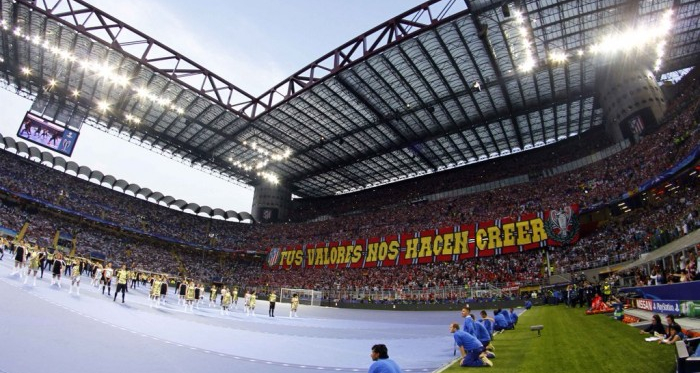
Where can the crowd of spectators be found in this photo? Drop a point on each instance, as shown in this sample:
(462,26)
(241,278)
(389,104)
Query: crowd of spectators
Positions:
(663,219)
(531,162)
(125,229)
(589,187)
(19,175)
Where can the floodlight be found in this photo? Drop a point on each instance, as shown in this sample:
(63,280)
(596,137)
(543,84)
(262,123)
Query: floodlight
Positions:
(103,106)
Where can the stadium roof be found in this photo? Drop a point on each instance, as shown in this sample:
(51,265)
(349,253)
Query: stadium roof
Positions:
(442,85)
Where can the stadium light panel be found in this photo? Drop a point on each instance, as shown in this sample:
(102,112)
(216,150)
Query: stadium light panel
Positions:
(103,106)
(100,69)
(638,38)
(558,57)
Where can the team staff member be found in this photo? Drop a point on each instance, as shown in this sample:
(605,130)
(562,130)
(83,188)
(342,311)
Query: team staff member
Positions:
(122,278)
(382,363)
(470,348)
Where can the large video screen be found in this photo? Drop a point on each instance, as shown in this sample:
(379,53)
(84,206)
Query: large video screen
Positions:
(48,134)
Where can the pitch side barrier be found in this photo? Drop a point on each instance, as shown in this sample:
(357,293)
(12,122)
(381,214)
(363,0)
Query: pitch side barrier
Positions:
(378,305)
(682,290)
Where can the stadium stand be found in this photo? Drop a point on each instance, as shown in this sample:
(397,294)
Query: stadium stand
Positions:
(128,229)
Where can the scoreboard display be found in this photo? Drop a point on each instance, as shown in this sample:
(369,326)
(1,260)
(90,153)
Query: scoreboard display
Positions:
(48,134)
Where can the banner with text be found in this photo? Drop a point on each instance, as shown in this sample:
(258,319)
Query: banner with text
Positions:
(503,236)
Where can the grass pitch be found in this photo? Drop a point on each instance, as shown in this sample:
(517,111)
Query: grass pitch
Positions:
(574,342)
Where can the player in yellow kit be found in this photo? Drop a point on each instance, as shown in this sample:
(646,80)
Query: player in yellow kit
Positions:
(234,298)
(122,278)
(251,302)
(272,299)
(155,291)
(295,305)
(225,300)
(212,295)
(189,296)
(34,259)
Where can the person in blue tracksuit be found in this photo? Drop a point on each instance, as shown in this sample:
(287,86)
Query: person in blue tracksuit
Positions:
(487,321)
(470,348)
(484,337)
(468,321)
(500,323)
(513,317)
(506,314)
(382,363)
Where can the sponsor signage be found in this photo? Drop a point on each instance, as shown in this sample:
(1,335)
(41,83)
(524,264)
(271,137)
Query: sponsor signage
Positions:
(645,304)
(671,307)
(454,243)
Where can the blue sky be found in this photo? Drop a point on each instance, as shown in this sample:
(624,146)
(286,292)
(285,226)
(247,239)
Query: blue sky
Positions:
(252,44)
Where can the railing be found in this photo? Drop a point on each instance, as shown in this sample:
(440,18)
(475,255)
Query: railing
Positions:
(451,294)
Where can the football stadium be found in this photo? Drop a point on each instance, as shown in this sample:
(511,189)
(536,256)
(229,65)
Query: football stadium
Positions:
(501,185)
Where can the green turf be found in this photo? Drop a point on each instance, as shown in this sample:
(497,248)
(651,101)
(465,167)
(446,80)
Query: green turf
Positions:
(574,342)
